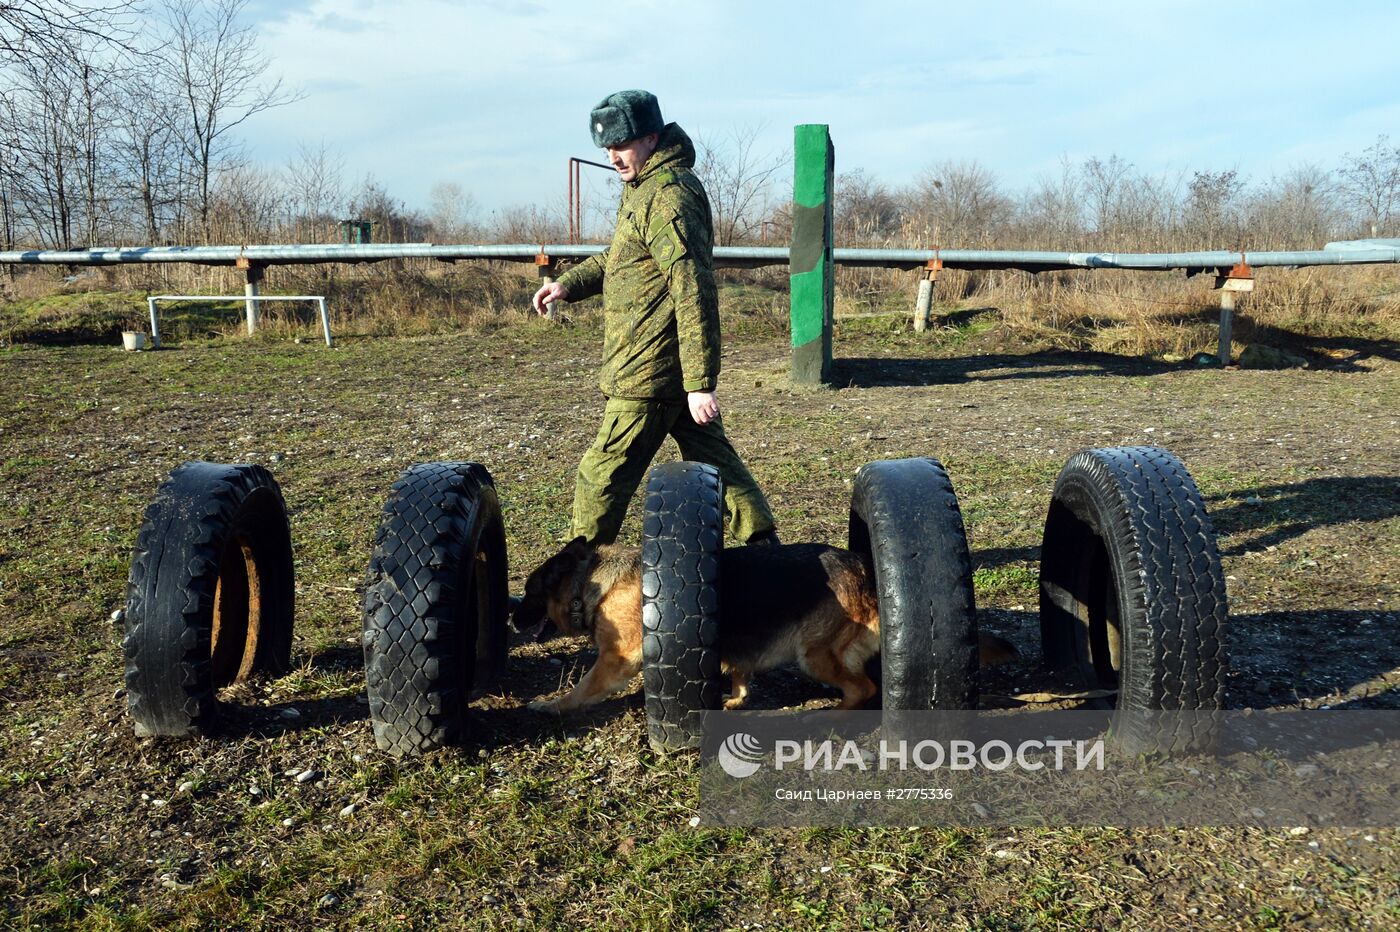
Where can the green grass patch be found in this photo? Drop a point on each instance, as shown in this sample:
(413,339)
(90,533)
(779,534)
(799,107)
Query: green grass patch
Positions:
(1005,582)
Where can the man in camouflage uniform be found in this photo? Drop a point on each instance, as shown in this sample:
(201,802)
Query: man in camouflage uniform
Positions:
(661,326)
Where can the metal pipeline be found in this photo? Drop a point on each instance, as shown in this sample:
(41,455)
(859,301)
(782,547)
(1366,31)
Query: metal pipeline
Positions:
(1347,252)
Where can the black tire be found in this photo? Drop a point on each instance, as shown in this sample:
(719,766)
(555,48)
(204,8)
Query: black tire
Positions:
(1132,594)
(435,605)
(209,596)
(905,517)
(682,534)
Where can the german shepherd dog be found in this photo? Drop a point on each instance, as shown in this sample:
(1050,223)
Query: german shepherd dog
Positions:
(805,603)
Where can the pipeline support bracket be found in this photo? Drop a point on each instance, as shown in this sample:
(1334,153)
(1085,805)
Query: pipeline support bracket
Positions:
(545,268)
(923,304)
(1239,280)
(254,273)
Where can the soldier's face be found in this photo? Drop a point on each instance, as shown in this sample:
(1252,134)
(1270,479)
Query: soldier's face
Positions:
(629,157)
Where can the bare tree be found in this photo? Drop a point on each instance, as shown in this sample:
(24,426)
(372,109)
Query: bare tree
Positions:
(528,224)
(221,79)
(865,210)
(245,205)
(149,155)
(93,114)
(1212,208)
(10,175)
(1298,210)
(1151,210)
(52,29)
(315,192)
(1105,183)
(1372,182)
(739,182)
(394,223)
(1053,211)
(59,117)
(452,210)
(960,202)
(41,137)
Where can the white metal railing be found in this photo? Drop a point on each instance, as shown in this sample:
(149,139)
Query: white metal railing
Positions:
(251,301)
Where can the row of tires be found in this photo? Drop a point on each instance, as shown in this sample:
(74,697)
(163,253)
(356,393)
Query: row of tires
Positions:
(210,599)
(1132,594)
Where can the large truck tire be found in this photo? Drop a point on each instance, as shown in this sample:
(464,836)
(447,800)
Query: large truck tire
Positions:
(682,534)
(905,517)
(209,595)
(435,605)
(1132,594)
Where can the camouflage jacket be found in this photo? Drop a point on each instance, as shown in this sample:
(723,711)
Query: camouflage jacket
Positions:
(660,308)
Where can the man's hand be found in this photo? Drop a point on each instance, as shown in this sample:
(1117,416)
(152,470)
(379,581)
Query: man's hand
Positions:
(704,406)
(548,295)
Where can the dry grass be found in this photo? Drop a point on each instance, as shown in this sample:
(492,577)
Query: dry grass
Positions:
(1126,313)
(1151,314)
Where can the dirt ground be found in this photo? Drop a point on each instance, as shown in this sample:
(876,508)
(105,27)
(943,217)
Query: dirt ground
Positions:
(538,822)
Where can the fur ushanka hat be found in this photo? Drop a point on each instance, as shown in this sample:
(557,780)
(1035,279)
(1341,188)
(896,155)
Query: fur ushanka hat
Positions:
(624,116)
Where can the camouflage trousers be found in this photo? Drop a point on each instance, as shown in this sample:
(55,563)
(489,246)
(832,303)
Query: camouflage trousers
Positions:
(631,433)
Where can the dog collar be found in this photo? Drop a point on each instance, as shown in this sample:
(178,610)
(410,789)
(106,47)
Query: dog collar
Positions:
(579,609)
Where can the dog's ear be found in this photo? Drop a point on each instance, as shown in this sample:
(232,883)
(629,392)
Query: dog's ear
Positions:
(563,563)
(575,551)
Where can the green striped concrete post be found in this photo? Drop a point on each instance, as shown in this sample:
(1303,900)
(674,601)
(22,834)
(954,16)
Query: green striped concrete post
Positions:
(813,287)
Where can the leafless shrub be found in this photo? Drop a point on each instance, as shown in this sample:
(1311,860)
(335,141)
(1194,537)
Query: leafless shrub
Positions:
(245,206)
(528,224)
(393,221)
(959,203)
(314,199)
(453,212)
(1300,209)
(1371,181)
(1052,210)
(741,184)
(865,211)
(1212,215)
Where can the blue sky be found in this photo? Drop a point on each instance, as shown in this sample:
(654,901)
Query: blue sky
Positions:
(495,95)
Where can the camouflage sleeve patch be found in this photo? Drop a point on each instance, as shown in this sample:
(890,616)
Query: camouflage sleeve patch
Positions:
(666,245)
(677,226)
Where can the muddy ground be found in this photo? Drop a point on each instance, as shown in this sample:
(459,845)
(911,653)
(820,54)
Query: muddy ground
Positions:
(538,822)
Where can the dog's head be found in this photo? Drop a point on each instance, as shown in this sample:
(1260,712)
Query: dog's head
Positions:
(545,605)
